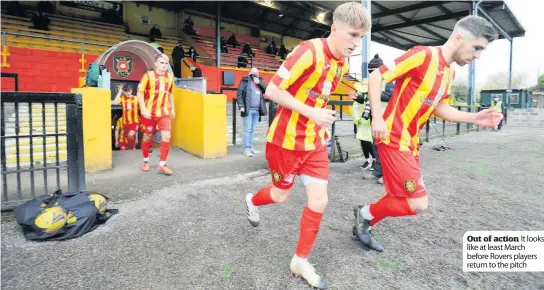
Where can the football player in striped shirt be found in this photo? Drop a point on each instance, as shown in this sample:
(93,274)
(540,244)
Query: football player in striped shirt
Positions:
(424,77)
(156,101)
(296,139)
(130,119)
(120,138)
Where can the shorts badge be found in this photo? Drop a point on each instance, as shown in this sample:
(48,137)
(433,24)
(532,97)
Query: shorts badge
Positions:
(410,185)
(276,176)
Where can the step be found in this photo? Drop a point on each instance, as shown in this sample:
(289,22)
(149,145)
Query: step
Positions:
(37,118)
(38,130)
(25,141)
(36,149)
(37,123)
(51,157)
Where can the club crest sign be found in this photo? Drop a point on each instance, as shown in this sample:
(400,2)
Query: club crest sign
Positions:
(122,65)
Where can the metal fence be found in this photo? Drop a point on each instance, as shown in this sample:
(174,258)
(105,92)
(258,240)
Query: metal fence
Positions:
(30,121)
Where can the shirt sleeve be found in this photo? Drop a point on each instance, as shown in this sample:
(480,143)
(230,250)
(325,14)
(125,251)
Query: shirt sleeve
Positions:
(301,58)
(143,83)
(406,64)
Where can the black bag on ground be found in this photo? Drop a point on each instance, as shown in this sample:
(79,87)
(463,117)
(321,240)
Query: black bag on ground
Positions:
(60,216)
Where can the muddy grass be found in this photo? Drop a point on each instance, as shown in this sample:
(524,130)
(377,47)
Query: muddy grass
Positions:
(195,235)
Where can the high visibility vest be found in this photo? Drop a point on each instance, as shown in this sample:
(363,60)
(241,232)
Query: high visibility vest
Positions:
(497,106)
(364,130)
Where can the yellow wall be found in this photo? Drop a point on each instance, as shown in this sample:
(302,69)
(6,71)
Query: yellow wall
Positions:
(165,19)
(96,128)
(200,125)
(343,88)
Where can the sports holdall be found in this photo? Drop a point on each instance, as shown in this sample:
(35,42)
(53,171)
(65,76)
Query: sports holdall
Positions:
(59,216)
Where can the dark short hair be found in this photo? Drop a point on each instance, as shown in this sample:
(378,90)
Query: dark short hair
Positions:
(479,27)
(127,87)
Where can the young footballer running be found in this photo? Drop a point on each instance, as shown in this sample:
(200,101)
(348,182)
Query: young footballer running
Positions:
(424,77)
(129,118)
(157,108)
(296,139)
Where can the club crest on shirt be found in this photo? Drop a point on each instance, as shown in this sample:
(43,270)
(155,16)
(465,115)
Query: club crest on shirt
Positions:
(338,73)
(410,185)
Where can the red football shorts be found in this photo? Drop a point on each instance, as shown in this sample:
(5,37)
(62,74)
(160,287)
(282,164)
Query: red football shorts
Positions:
(285,164)
(130,127)
(162,123)
(401,172)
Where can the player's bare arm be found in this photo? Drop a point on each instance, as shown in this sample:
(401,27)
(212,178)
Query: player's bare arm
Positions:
(379,129)
(143,109)
(487,118)
(322,117)
(172,109)
(117,99)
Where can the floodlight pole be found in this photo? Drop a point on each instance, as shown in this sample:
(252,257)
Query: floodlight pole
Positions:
(365,45)
(472,67)
(218,35)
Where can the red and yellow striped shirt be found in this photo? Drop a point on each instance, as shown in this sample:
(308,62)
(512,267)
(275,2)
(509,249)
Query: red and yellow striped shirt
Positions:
(310,73)
(119,127)
(423,80)
(157,89)
(130,110)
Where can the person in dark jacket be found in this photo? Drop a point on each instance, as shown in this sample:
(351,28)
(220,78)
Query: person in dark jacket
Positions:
(250,99)
(178,53)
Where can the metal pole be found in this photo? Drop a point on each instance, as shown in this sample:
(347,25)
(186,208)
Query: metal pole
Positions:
(218,35)
(365,45)
(472,69)
(510,72)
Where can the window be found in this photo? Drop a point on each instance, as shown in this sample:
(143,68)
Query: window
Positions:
(145,20)
(514,99)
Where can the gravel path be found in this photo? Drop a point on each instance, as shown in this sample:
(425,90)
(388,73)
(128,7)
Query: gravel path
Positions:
(194,235)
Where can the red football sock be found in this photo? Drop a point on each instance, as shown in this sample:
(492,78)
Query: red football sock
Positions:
(309,226)
(389,205)
(145,147)
(165,147)
(263,196)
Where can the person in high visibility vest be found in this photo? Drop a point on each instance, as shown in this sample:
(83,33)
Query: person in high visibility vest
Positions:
(497,105)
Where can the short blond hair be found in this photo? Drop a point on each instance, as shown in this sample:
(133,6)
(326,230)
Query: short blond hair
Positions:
(353,14)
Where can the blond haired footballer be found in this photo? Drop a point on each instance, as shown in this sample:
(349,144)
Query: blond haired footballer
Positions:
(296,139)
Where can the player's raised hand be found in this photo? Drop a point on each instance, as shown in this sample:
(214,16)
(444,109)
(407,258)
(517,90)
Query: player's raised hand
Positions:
(379,129)
(488,118)
(352,95)
(323,117)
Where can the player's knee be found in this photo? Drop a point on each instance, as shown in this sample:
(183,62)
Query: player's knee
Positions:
(280,195)
(146,137)
(131,134)
(165,136)
(419,204)
(318,197)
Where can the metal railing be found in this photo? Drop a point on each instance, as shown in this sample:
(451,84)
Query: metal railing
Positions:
(272,107)
(16,109)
